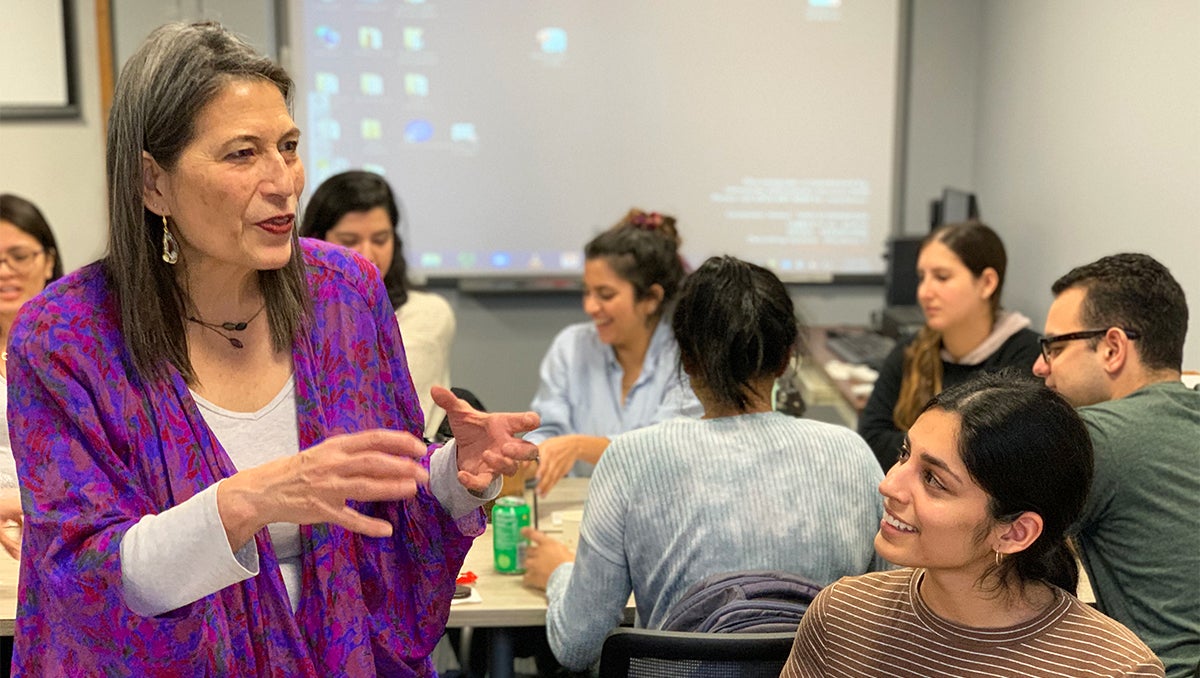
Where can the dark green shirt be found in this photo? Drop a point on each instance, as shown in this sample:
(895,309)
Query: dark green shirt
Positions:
(1140,531)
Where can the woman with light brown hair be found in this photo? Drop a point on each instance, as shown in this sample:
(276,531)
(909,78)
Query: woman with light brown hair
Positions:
(960,273)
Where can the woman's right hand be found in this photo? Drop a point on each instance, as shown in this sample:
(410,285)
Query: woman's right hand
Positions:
(314,485)
(557,455)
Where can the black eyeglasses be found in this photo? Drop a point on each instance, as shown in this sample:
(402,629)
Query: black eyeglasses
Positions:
(1047,341)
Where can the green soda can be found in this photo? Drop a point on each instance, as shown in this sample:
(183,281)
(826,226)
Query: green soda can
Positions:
(509,515)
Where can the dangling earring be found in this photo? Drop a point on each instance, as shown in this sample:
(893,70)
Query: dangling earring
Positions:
(170,252)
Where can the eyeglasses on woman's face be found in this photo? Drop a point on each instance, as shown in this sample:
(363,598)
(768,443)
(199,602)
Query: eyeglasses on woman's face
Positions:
(1049,350)
(20,259)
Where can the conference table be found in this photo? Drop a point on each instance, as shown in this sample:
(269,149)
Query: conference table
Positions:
(9,569)
(506,603)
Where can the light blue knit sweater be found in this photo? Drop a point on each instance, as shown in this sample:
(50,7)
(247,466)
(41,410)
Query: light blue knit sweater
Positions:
(678,501)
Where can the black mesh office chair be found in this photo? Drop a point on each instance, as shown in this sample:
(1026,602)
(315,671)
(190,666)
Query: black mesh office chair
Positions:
(645,653)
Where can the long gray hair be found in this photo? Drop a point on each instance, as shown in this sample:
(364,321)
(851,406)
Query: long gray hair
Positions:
(159,95)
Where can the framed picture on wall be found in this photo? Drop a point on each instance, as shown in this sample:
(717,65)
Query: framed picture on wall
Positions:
(39,80)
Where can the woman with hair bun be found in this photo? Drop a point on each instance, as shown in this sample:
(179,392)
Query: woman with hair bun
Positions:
(990,476)
(617,372)
(960,270)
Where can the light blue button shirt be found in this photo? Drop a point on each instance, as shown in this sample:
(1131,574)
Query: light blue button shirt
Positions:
(580,389)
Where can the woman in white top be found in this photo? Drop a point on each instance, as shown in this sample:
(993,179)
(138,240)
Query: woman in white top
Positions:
(28,262)
(358,209)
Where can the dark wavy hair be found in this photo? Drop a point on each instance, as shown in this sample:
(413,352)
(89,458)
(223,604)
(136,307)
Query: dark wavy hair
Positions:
(1029,451)
(359,191)
(643,249)
(1137,292)
(735,323)
(26,216)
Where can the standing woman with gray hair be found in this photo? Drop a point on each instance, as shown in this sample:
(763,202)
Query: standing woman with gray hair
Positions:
(218,437)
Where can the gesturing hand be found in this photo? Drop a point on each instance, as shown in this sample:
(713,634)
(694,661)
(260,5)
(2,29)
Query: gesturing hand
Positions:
(314,485)
(486,441)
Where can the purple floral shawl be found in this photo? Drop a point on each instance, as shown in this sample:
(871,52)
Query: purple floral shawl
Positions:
(97,448)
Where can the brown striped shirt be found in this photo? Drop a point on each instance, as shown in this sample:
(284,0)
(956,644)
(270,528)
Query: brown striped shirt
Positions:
(878,625)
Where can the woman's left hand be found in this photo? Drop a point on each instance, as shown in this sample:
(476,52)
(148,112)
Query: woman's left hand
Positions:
(487,442)
(543,556)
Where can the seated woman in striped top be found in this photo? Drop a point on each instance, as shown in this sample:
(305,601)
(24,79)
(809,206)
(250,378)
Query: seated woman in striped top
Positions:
(990,475)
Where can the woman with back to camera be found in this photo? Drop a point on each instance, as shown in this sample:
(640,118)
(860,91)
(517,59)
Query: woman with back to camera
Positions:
(358,210)
(28,262)
(215,429)
(991,474)
(743,488)
(618,372)
(960,273)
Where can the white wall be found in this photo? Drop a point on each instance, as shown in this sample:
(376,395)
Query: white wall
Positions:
(1089,140)
(59,164)
(943,99)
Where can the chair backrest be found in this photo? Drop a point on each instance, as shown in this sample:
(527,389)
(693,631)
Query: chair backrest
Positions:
(646,653)
(753,601)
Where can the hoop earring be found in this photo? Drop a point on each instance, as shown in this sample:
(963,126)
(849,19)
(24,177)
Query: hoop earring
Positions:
(170,248)
(999,558)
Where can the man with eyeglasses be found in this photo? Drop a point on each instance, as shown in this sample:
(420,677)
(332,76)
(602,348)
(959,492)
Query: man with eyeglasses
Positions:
(1114,348)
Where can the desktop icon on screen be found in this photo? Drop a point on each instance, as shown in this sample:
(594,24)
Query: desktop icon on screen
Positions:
(414,38)
(500,259)
(328,36)
(431,260)
(328,129)
(371,128)
(570,260)
(463,131)
(325,83)
(416,84)
(552,40)
(418,131)
(370,37)
(371,84)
